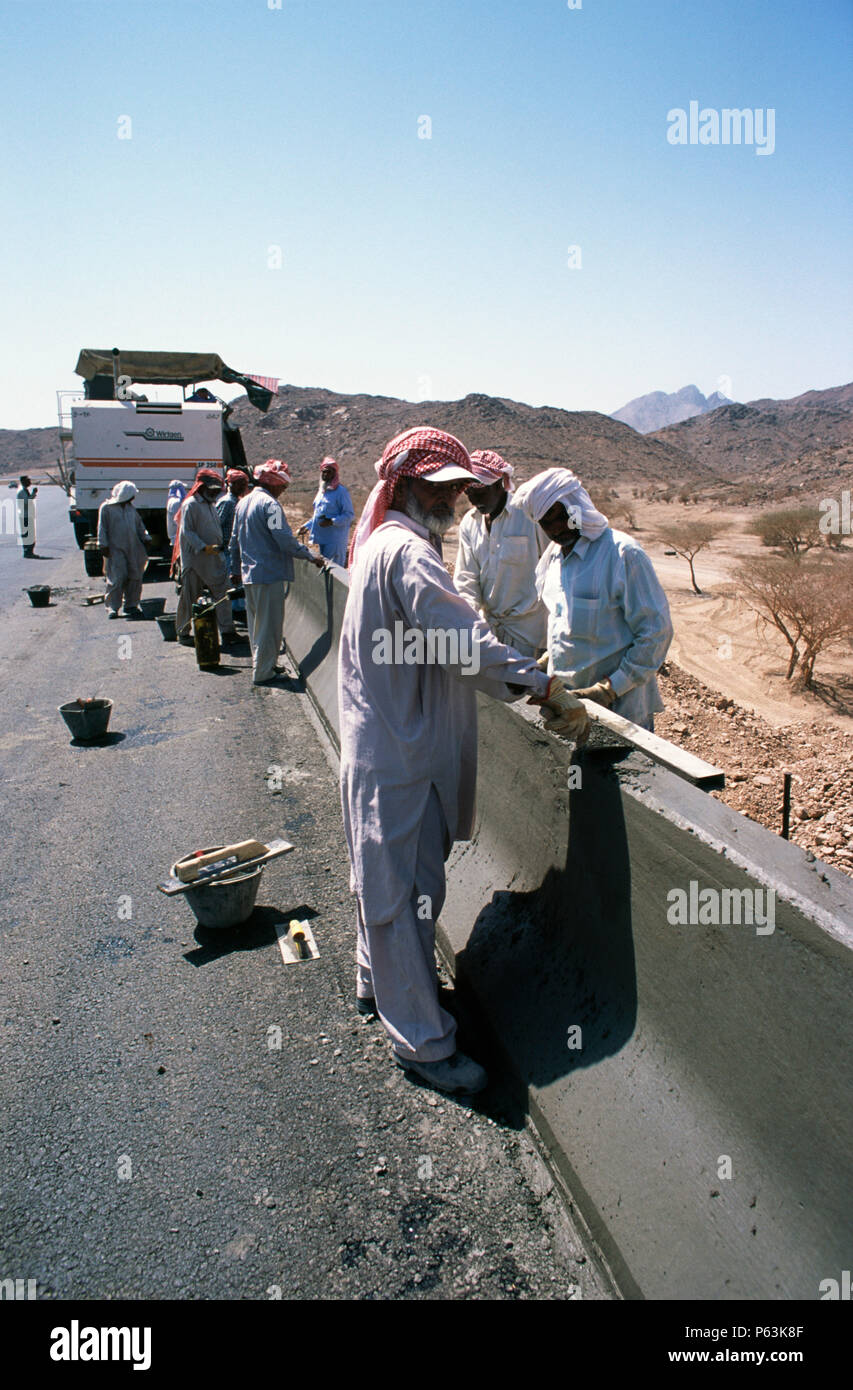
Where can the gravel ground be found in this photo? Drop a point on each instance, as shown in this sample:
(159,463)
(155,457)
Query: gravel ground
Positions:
(754,757)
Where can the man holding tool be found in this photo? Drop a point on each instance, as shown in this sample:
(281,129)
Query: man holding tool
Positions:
(409,741)
(609,626)
(203,566)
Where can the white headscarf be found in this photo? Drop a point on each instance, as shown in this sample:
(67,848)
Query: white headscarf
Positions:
(539,494)
(123,492)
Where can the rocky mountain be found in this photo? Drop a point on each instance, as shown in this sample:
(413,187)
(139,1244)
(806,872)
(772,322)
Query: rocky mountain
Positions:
(28,451)
(805,443)
(655,411)
(306,423)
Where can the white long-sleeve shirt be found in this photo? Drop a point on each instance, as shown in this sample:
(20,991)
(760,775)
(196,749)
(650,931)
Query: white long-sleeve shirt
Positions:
(496,571)
(608,617)
(408,727)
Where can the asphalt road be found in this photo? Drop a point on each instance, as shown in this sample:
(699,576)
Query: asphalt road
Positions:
(156,1141)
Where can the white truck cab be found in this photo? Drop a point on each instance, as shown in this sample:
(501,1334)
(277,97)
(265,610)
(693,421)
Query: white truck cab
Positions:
(117,433)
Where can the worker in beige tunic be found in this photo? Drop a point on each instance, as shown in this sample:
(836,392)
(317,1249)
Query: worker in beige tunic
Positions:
(203,563)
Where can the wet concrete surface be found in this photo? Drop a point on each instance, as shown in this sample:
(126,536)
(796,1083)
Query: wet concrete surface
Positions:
(182,1115)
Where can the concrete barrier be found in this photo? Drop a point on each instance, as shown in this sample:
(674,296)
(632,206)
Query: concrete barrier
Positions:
(691,1081)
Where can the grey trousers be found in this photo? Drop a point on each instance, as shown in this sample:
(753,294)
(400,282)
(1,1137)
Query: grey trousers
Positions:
(124,580)
(265,621)
(396,960)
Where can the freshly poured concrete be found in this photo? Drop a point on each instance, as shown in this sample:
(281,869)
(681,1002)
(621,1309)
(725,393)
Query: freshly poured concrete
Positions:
(705,1050)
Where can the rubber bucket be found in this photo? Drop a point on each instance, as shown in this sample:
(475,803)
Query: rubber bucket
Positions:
(87,721)
(225,902)
(93,560)
(39,595)
(152,607)
(168,625)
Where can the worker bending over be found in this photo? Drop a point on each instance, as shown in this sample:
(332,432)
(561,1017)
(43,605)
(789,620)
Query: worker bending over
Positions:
(409,740)
(499,549)
(609,627)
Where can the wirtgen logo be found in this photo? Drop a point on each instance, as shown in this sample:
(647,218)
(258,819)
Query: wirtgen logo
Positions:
(432,646)
(76,1343)
(722,907)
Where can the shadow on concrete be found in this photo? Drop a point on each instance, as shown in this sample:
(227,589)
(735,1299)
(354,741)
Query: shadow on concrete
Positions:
(543,962)
(253,935)
(323,644)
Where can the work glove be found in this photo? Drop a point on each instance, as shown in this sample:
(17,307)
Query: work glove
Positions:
(601,693)
(542,663)
(568,714)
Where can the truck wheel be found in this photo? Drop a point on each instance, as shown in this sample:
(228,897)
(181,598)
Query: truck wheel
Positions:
(93,560)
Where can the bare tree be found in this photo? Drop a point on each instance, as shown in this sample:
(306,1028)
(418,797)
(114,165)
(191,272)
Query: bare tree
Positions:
(810,604)
(687,538)
(64,477)
(794,530)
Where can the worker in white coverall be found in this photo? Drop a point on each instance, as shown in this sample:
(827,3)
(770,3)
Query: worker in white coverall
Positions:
(499,549)
(413,653)
(263,548)
(609,626)
(203,564)
(122,538)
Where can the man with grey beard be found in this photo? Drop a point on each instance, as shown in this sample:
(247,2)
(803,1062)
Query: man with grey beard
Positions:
(409,742)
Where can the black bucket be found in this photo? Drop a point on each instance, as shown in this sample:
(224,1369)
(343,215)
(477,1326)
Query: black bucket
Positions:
(93,560)
(39,595)
(152,607)
(168,625)
(89,720)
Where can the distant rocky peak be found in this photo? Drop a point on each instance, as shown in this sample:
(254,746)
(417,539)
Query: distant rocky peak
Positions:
(658,409)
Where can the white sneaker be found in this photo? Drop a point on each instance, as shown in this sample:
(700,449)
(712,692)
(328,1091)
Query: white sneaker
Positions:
(457,1074)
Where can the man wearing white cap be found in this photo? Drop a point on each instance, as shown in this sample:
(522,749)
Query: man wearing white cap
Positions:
(122,537)
(499,549)
(409,740)
(262,551)
(609,626)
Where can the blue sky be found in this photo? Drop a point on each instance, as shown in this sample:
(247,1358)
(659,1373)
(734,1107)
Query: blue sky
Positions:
(428,267)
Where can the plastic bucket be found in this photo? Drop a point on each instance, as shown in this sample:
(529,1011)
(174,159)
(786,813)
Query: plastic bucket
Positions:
(225,902)
(93,560)
(87,721)
(167,623)
(152,607)
(39,595)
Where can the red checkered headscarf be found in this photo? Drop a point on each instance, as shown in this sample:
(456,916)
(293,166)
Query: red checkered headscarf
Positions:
(329,462)
(490,467)
(274,471)
(237,481)
(413,454)
(202,478)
